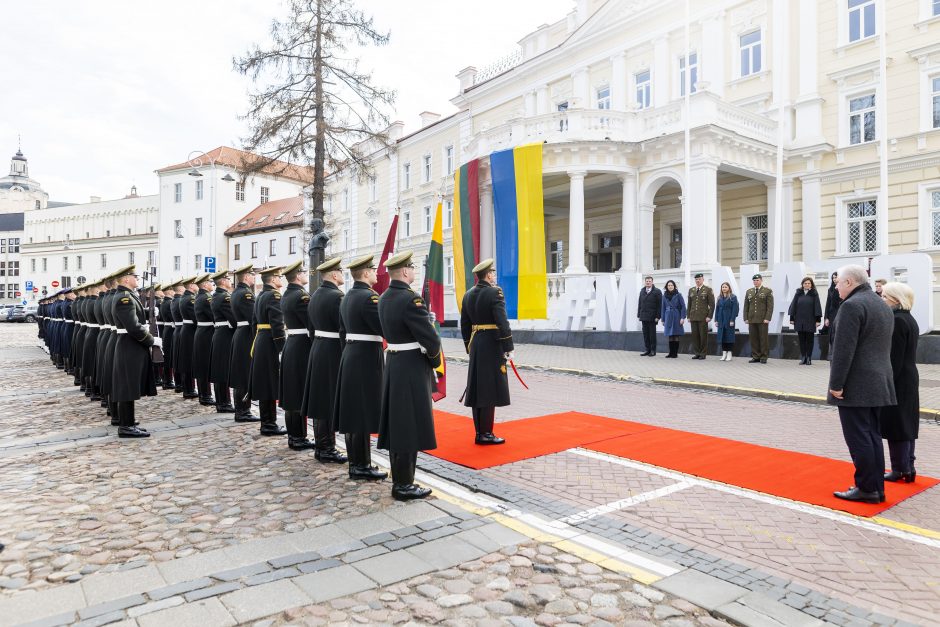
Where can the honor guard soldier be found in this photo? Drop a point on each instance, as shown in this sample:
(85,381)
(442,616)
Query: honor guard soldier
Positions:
(356,412)
(177,314)
(243,309)
(68,329)
(323,365)
(294,358)
(266,349)
(701,310)
(106,349)
(202,341)
(133,369)
(167,330)
(78,336)
(90,348)
(488,339)
(758,308)
(406,424)
(187,339)
(224,320)
(156,297)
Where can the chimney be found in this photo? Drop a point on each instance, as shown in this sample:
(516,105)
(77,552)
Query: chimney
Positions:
(428,118)
(395,130)
(96,199)
(467,77)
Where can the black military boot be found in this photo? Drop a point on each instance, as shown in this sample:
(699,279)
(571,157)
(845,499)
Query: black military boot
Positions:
(113,411)
(168,378)
(360,458)
(89,387)
(128,429)
(243,408)
(189,387)
(297,432)
(223,400)
(326,452)
(205,393)
(485,418)
(404,487)
(91,390)
(177,381)
(269,426)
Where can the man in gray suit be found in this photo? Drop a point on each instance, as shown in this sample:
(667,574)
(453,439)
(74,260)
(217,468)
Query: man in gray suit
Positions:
(861,380)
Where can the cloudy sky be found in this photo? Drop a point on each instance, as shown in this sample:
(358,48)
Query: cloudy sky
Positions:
(104,92)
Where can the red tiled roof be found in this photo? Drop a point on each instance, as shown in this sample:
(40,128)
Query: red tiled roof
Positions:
(276,214)
(240,160)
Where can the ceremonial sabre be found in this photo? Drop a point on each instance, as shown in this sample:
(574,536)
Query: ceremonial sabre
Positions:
(516,372)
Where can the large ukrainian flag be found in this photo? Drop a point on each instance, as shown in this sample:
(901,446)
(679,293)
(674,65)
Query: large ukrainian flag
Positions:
(520,230)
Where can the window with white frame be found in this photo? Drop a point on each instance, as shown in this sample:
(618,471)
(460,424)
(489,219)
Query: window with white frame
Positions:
(265,194)
(933,208)
(14,244)
(373,189)
(449,159)
(292,245)
(448,214)
(861,226)
(644,89)
(197,262)
(254,250)
(32,265)
(406,223)
(373,231)
(693,73)
(346,199)
(198,190)
(104,261)
(426,169)
(563,122)
(198,227)
(78,262)
(272,247)
(130,257)
(151,259)
(177,192)
(240,191)
(750,44)
(935,99)
(345,239)
(935,8)
(427,220)
(603,97)
(65,264)
(862,119)
(238,252)
(755,238)
(406,176)
(556,257)
(176,263)
(448,270)
(861,19)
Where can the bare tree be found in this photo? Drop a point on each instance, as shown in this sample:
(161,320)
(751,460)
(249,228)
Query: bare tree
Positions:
(313,105)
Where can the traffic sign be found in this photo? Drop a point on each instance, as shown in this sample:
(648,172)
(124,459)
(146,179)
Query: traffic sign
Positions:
(55,284)
(210,264)
(29,286)
(25,302)
(17,295)
(35,290)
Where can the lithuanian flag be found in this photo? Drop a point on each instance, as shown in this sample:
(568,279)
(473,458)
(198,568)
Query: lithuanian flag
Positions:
(520,230)
(466,227)
(433,293)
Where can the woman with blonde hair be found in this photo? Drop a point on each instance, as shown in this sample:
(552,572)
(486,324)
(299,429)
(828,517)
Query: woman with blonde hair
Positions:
(899,423)
(726,312)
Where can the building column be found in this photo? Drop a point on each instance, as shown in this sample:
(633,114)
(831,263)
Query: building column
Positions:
(784,239)
(576,224)
(581,88)
(700,235)
(660,75)
(811,218)
(618,82)
(645,237)
(487,222)
(542,105)
(711,59)
(808,105)
(629,234)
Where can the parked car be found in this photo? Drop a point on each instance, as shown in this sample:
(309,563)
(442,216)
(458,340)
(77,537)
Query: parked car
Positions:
(23,313)
(5,311)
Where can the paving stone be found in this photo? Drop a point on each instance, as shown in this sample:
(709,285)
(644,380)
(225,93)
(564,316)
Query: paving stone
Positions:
(99,588)
(413,512)
(334,583)
(204,593)
(703,590)
(111,606)
(45,603)
(368,525)
(763,612)
(402,543)
(53,621)
(361,554)
(440,532)
(243,571)
(312,567)
(296,558)
(343,547)
(154,606)
(406,531)
(264,600)
(445,552)
(179,588)
(198,614)
(274,575)
(379,538)
(393,567)
(104,619)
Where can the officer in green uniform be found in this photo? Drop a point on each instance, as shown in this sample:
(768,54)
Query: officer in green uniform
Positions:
(701,307)
(488,339)
(406,424)
(758,308)
(355,410)
(294,358)
(239,373)
(266,349)
(202,342)
(323,364)
(224,320)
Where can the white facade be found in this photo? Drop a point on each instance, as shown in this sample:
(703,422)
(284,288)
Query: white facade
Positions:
(88,240)
(277,247)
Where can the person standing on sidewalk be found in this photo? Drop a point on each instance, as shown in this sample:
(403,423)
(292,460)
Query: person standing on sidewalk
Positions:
(202,340)
(648,309)
(673,317)
(239,371)
(861,382)
(758,308)
(266,351)
(294,358)
(805,315)
(900,423)
(832,308)
(701,310)
(726,312)
(223,319)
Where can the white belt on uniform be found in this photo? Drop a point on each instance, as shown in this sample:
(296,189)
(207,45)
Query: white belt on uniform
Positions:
(185,321)
(298,332)
(159,323)
(241,323)
(410,346)
(92,325)
(69,321)
(121,331)
(177,324)
(205,324)
(362,337)
(221,324)
(331,334)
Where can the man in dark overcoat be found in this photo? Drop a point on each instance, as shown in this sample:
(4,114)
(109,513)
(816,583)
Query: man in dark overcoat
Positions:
(323,364)
(187,340)
(861,380)
(488,339)
(358,403)
(167,330)
(406,424)
(106,359)
(648,307)
(78,336)
(202,341)
(239,373)
(294,358)
(90,342)
(223,319)
(266,349)
(176,312)
(133,370)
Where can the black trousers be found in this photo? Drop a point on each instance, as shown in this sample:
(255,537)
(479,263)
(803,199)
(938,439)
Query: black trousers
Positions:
(861,428)
(649,335)
(699,337)
(806,343)
(902,455)
(403,467)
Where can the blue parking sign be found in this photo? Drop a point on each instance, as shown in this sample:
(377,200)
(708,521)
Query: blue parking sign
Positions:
(210,264)
(29,286)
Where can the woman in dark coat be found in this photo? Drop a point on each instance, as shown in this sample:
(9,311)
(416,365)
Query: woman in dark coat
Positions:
(726,312)
(805,315)
(673,317)
(833,300)
(899,423)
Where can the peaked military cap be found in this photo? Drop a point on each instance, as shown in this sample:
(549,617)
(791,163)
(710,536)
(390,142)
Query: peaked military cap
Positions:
(270,271)
(293,267)
(124,271)
(188,280)
(330,264)
(221,274)
(361,262)
(202,278)
(756,276)
(399,260)
(245,268)
(699,275)
(486,264)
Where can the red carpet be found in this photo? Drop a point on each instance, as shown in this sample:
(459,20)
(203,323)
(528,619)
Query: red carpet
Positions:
(791,475)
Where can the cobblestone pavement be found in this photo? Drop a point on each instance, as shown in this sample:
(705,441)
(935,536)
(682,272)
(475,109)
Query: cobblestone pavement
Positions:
(207,523)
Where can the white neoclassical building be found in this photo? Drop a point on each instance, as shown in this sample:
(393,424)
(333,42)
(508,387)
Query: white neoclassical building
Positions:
(742,136)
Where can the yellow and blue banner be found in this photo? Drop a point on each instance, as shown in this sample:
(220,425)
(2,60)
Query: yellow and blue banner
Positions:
(520,230)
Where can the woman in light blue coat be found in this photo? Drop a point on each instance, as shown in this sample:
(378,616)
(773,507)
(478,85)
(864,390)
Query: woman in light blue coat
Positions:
(726,311)
(673,317)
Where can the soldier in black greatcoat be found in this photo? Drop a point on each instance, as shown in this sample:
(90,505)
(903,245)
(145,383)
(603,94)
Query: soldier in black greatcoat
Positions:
(202,341)
(106,359)
(90,341)
(406,424)
(323,365)
(221,351)
(133,371)
(187,341)
(68,326)
(157,294)
(358,403)
(294,358)
(487,337)
(265,349)
(166,334)
(177,316)
(239,374)
(78,336)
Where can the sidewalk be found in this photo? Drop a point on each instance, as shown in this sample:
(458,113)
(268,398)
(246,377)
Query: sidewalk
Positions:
(779,379)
